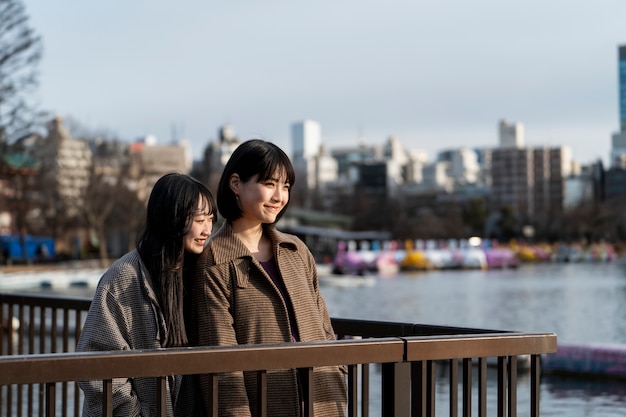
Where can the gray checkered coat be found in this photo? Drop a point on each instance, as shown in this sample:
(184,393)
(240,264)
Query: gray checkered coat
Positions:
(124,315)
(236,302)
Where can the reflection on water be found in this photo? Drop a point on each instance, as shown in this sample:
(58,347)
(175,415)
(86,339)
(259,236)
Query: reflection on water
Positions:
(564,396)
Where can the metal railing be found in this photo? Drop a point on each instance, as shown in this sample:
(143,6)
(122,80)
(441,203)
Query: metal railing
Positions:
(410,357)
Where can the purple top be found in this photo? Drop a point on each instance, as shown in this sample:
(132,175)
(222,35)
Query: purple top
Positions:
(272,271)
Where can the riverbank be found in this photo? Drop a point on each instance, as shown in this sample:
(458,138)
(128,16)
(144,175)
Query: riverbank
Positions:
(57,276)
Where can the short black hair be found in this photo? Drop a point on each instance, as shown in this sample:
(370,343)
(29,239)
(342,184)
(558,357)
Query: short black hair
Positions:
(252,157)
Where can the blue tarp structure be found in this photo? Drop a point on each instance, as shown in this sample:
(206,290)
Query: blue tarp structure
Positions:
(37,247)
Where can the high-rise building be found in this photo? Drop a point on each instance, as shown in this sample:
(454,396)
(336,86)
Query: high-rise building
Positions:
(66,167)
(511,134)
(618,145)
(306,139)
(531,181)
(622,86)
(314,167)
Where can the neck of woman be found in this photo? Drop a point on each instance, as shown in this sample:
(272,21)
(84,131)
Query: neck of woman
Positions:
(253,238)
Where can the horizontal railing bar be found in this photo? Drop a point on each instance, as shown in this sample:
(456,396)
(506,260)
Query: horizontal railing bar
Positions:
(59,367)
(459,347)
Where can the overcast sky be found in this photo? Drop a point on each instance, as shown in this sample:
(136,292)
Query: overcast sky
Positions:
(435,74)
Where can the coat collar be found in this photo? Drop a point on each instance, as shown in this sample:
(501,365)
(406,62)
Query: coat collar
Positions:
(232,248)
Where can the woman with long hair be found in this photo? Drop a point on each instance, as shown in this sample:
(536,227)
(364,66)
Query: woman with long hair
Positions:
(143,299)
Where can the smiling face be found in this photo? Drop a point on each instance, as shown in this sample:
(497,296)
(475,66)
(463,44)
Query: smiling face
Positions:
(201,227)
(261,202)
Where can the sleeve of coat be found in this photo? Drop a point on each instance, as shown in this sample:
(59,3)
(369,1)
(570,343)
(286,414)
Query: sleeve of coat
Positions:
(105,330)
(212,312)
(321,304)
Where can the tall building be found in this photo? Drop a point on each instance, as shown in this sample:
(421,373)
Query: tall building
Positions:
(66,167)
(511,134)
(306,139)
(622,86)
(314,167)
(618,145)
(531,181)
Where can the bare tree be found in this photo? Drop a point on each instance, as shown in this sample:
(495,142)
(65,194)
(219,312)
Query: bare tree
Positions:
(20,52)
(107,192)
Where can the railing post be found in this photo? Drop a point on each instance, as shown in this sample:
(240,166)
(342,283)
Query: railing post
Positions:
(535,380)
(396,389)
(423,389)
(261,392)
(213,395)
(107,397)
(467,387)
(512,386)
(365,390)
(482,387)
(353,390)
(51,394)
(162,396)
(502,365)
(306,376)
(454,387)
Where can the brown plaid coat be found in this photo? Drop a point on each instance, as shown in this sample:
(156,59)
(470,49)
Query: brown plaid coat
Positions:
(236,302)
(124,314)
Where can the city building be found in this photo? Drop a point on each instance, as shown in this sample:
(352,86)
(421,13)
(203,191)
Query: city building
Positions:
(413,169)
(615,183)
(618,140)
(315,168)
(579,189)
(306,139)
(621,66)
(216,155)
(436,177)
(348,157)
(464,167)
(511,135)
(530,181)
(66,167)
(150,161)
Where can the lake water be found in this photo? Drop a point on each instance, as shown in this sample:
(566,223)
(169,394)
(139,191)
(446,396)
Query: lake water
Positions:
(580,303)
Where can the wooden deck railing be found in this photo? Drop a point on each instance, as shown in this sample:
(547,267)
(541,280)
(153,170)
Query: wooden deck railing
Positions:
(36,359)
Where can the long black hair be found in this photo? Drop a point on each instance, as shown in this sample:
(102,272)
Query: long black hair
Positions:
(252,157)
(172,205)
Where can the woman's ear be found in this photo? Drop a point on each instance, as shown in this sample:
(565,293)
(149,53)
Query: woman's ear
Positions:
(234,182)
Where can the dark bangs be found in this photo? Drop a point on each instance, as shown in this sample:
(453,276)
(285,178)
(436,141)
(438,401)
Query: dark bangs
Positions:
(269,160)
(275,162)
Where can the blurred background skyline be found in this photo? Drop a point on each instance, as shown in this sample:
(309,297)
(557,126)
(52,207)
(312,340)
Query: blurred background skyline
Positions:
(435,75)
